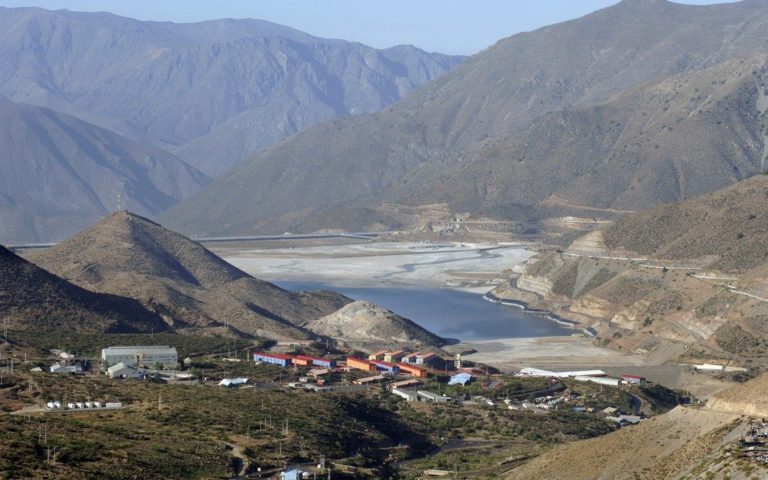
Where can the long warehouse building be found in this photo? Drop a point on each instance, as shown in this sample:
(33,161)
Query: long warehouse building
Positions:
(148,356)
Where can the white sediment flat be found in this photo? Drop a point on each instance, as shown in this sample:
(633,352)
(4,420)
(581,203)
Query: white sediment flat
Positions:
(381,264)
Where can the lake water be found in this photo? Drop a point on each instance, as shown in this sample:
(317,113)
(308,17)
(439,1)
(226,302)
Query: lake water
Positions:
(449,313)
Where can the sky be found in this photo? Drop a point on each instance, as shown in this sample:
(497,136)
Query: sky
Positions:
(460,27)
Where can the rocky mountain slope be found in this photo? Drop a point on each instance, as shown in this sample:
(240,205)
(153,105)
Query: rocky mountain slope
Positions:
(641,102)
(664,447)
(693,272)
(210,92)
(685,443)
(33,299)
(59,174)
(363,325)
(190,287)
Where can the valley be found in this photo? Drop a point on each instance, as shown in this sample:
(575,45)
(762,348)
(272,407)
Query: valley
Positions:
(233,249)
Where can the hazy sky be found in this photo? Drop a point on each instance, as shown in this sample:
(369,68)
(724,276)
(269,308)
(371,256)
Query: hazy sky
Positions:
(447,26)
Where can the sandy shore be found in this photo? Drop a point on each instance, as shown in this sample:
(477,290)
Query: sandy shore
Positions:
(546,352)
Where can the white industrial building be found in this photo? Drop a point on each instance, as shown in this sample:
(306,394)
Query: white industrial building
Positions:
(615,382)
(408,395)
(428,396)
(537,372)
(63,368)
(123,371)
(146,356)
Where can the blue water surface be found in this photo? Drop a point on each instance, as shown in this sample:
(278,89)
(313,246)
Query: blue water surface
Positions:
(449,313)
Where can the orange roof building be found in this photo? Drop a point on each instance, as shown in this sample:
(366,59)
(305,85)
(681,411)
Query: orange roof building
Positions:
(360,364)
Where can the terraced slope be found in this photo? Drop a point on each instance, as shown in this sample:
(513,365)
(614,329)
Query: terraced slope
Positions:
(689,272)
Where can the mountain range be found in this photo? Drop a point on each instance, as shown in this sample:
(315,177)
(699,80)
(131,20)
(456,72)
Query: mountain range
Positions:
(209,92)
(642,102)
(59,174)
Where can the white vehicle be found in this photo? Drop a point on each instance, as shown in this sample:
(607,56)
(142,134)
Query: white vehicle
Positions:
(97,405)
(80,405)
(50,405)
(71,406)
(57,404)
(88,404)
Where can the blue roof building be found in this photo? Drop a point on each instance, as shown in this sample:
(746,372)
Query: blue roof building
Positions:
(293,474)
(460,379)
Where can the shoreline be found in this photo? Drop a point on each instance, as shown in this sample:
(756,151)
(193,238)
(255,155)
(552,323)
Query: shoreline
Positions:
(490,297)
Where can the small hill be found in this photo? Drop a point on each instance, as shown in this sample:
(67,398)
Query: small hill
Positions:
(129,255)
(33,299)
(365,325)
(59,174)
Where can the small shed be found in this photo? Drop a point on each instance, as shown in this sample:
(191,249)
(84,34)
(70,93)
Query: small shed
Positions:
(233,382)
(428,396)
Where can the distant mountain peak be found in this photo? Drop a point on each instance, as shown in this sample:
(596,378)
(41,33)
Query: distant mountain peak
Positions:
(636,104)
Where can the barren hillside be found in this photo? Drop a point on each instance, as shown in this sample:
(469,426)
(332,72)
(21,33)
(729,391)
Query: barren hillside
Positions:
(33,299)
(693,272)
(179,279)
(685,443)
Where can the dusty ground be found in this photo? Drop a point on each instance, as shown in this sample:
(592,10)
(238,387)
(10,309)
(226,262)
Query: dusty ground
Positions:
(546,352)
(459,265)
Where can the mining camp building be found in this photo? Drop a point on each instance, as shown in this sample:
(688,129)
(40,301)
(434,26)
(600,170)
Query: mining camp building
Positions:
(122,371)
(147,356)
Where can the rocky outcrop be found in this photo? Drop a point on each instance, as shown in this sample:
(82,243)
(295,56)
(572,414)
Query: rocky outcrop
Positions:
(365,325)
(541,286)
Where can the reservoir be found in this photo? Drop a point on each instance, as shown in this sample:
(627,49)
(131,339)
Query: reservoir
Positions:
(449,313)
